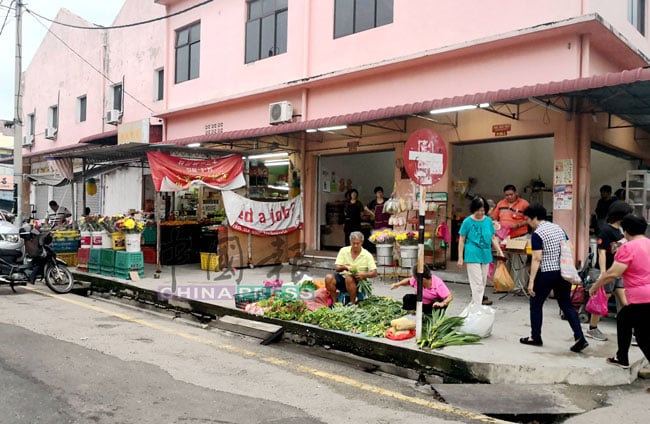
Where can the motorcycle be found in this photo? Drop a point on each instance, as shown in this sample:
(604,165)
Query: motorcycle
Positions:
(26,255)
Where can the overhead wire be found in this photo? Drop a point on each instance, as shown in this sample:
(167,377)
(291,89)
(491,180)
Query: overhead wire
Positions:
(96,26)
(4,22)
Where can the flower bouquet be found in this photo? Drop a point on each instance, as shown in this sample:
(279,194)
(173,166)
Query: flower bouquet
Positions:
(109,223)
(383,237)
(408,238)
(129,225)
(89,223)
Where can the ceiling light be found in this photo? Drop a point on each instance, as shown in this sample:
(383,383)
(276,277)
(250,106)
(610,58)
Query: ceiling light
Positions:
(276,163)
(311,130)
(458,108)
(333,128)
(194,145)
(268,155)
(546,104)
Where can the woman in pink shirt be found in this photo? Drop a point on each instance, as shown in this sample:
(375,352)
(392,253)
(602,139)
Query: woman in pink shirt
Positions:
(632,262)
(435,293)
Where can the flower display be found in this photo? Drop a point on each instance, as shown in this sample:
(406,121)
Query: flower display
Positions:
(109,223)
(408,238)
(89,223)
(383,237)
(129,225)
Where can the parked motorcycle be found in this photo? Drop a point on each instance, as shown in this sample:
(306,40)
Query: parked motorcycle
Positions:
(26,255)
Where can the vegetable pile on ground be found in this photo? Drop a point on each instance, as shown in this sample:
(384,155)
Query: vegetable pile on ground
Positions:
(441,330)
(371,316)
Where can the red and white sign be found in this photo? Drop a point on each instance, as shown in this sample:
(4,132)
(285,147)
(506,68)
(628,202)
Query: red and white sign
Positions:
(425,157)
(262,218)
(7,182)
(171,173)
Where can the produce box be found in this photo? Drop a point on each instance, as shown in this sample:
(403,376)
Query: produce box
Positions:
(65,246)
(65,235)
(209,261)
(69,258)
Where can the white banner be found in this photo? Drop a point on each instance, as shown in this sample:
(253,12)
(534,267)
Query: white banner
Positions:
(262,218)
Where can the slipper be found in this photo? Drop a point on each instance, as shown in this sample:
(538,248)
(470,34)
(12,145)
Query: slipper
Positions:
(529,341)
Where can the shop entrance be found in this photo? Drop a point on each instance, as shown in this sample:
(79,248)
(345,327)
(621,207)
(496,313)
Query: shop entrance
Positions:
(341,173)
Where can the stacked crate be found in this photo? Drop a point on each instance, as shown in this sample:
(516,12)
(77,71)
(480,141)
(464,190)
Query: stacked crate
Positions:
(94,260)
(107,262)
(83,255)
(126,262)
(65,244)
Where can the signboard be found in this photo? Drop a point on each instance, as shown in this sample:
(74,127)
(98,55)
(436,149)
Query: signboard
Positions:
(7,182)
(563,184)
(501,129)
(425,157)
(133,132)
(262,218)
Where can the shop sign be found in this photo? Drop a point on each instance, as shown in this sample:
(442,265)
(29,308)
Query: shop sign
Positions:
(6,182)
(500,130)
(133,132)
(425,157)
(262,218)
(171,173)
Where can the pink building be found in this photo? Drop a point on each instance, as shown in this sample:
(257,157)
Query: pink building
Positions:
(263,76)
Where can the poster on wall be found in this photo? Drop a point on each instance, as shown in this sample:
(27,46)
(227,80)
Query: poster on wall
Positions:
(325,178)
(563,196)
(563,184)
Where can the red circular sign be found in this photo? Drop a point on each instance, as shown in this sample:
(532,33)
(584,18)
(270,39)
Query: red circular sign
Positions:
(425,157)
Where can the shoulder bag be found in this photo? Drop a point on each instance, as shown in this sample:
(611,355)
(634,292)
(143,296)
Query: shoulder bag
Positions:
(567,266)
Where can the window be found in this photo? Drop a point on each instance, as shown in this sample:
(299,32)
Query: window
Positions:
(266,29)
(53,117)
(636,14)
(81,108)
(352,16)
(159,84)
(118,95)
(188,53)
(31,124)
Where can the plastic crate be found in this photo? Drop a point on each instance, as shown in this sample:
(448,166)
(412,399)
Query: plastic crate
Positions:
(82,257)
(107,258)
(242,299)
(209,261)
(69,258)
(149,236)
(94,257)
(94,269)
(108,271)
(128,260)
(65,235)
(65,246)
(149,254)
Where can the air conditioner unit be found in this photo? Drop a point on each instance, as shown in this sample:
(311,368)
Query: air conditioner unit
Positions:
(50,133)
(28,140)
(113,116)
(280,112)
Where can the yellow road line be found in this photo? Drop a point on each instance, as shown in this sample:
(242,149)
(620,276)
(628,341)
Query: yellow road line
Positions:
(282,363)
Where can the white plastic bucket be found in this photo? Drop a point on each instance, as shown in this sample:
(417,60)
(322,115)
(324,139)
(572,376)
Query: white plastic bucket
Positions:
(132,242)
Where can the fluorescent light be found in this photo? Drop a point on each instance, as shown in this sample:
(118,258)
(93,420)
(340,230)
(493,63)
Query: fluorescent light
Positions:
(194,145)
(276,163)
(546,104)
(333,128)
(269,155)
(283,188)
(311,130)
(458,108)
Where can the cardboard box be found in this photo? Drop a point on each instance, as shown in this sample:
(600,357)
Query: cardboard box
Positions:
(517,244)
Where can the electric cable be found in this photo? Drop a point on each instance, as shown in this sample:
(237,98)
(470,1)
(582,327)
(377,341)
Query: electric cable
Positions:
(4,22)
(148,21)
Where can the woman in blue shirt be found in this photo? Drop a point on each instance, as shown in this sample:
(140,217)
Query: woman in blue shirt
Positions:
(475,247)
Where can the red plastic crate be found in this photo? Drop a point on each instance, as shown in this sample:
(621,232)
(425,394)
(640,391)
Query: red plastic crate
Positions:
(149,254)
(83,255)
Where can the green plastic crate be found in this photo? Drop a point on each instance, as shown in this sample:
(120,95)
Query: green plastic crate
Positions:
(108,271)
(107,258)
(94,259)
(94,269)
(149,236)
(129,260)
(126,275)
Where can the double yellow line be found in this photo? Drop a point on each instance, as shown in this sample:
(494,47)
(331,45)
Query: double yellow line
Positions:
(466,415)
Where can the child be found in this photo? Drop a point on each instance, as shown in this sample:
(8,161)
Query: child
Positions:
(435,293)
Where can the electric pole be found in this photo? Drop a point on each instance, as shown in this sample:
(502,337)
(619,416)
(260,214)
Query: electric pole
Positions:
(18,117)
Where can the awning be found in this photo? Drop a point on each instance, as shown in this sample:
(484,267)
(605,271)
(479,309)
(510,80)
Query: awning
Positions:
(625,94)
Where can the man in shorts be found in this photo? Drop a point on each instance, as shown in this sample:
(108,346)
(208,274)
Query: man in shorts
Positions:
(610,238)
(353,263)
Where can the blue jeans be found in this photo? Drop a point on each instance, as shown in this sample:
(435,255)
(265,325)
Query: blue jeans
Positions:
(544,283)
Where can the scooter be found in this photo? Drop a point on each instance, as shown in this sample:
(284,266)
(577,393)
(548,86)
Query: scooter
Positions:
(26,255)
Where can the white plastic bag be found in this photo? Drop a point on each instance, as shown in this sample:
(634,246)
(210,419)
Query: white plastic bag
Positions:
(479,320)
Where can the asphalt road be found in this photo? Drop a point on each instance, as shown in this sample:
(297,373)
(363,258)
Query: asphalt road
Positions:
(70,359)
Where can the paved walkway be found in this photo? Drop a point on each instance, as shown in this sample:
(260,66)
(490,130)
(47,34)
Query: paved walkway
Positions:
(500,358)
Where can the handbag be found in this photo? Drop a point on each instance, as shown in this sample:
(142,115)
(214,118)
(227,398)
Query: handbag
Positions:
(503,282)
(597,304)
(567,266)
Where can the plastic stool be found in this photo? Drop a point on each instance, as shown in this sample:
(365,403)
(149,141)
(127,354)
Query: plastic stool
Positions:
(344,297)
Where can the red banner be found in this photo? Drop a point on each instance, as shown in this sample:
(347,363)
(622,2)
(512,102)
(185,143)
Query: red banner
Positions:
(172,173)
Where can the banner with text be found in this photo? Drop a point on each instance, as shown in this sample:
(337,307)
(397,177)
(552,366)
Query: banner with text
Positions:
(262,218)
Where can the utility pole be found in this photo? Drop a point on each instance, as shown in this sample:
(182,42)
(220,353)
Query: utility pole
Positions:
(18,117)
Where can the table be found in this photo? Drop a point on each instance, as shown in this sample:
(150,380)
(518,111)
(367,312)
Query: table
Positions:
(517,264)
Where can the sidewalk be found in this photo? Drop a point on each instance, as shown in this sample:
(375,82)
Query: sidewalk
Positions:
(499,358)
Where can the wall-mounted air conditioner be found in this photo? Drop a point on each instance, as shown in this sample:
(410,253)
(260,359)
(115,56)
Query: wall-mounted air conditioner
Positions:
(113,116)
(50,133)
(280,112)
(28,140)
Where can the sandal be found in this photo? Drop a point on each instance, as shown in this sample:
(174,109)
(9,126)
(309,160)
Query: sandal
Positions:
(529,341)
